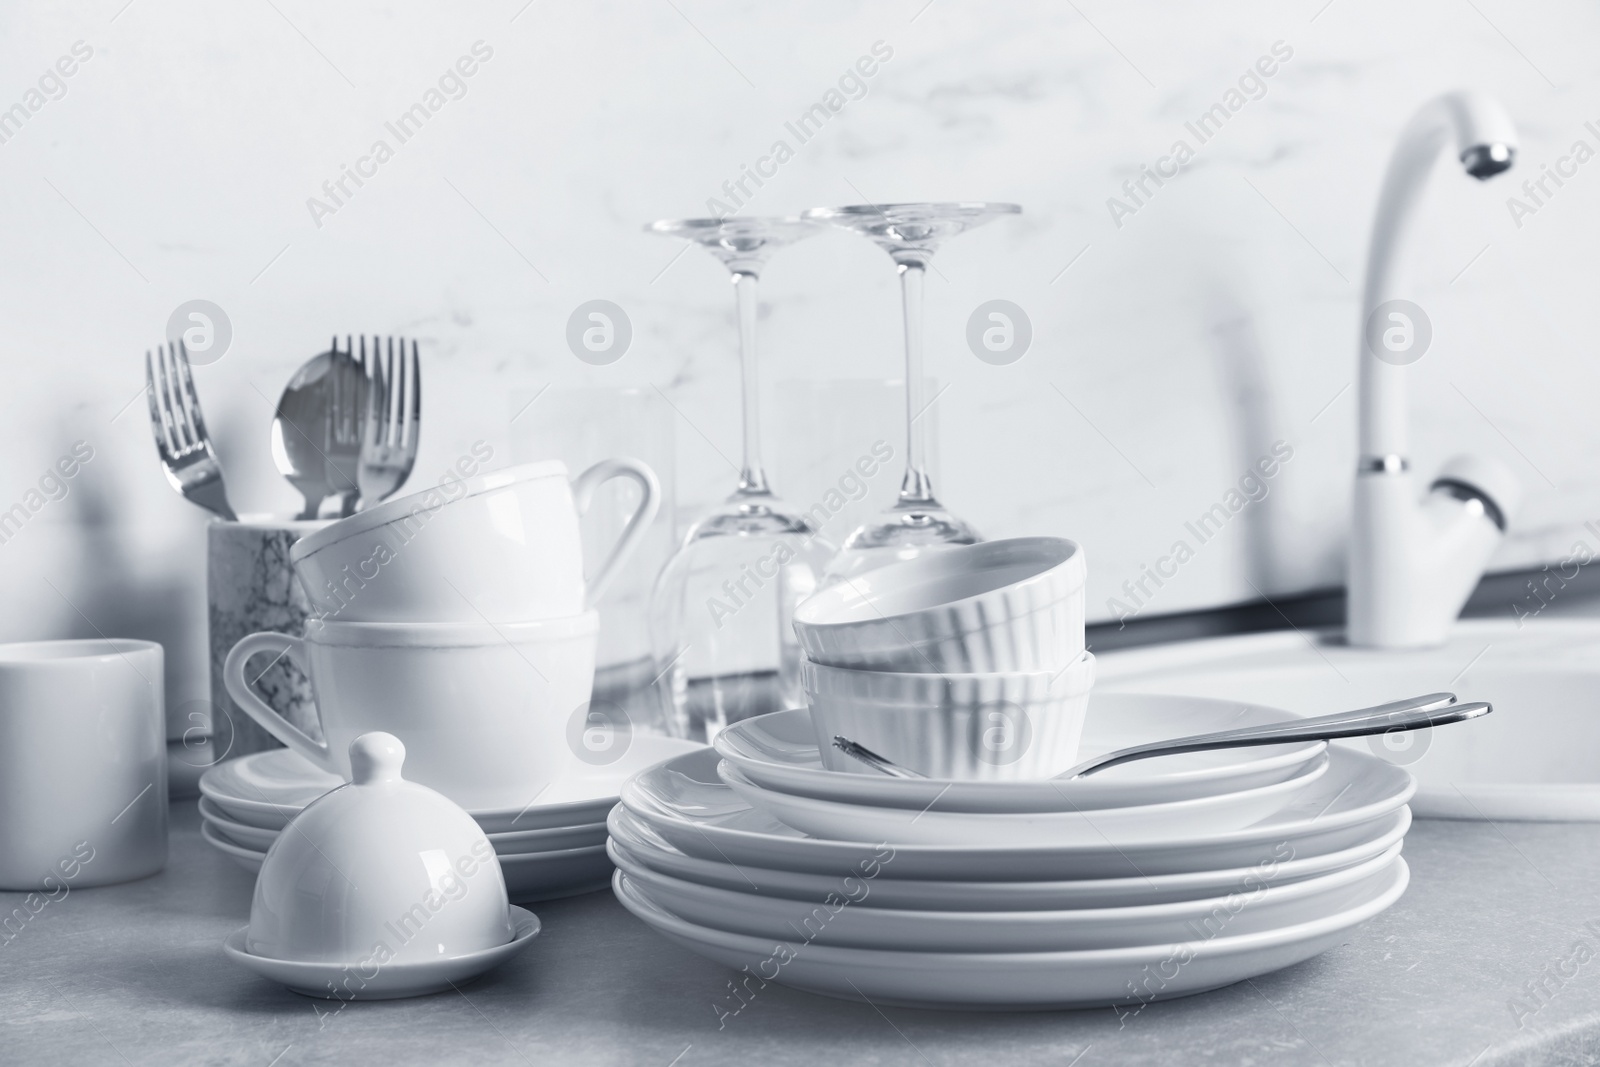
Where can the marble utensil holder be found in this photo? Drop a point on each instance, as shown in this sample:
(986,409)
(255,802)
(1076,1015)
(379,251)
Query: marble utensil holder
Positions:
(251,587)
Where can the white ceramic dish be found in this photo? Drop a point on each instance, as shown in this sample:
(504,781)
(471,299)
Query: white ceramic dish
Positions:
(483,707)
(641,846)
(503,547)
(686,803)
(529,876)
(267,789)
(1250,908)
(1196,818)
(584,835)
(248,858)
(253,837)
(780,751)
(382,867)
(1009,605)
(567,872)
(994,981)
(999,726)
(386,981)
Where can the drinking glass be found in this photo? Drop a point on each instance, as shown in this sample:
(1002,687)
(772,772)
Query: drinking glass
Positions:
(917,522)
(723,606)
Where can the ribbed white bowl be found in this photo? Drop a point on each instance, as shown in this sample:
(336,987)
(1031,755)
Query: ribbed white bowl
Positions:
(992,726)
(1009,605)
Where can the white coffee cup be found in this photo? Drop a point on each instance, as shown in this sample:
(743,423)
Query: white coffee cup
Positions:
(482,709)
(83,765)
(503,546)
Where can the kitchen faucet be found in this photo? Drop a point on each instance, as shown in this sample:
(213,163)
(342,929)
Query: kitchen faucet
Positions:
(1413,562)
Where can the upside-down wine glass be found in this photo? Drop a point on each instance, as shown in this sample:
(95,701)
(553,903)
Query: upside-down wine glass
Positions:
(917,522)
(722,610)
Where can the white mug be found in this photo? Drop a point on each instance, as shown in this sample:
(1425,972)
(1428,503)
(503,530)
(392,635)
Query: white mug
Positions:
(502,547)
(482,709)
(83,765)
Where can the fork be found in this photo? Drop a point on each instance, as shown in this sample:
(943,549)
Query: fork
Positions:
(346,418)
(394,417)
(182,443)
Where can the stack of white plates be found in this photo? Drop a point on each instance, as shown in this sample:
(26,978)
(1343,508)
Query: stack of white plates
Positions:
(553,847)
(1150,880)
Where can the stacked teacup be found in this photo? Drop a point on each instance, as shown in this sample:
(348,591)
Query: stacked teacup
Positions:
(457,619)
(968,663)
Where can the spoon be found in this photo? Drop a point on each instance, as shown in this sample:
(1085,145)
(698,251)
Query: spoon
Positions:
(316,432)
(1434,709)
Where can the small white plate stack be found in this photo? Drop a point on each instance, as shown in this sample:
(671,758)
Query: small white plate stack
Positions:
(988,884)
(554,847)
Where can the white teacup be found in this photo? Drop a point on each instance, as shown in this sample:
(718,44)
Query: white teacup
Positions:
(503,546)
(482,709)
(83,766)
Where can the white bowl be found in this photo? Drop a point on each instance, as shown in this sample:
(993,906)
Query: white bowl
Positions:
(996,726)
(378,871)
(502,547)
(1011,605)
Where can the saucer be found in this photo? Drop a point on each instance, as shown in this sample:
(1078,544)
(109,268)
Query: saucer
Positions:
(779,751)
(248,858)
(333,981)
(267,789)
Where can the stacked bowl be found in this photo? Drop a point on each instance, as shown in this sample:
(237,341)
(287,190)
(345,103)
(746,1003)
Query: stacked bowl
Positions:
(967,663)
(980,881)
(457,619)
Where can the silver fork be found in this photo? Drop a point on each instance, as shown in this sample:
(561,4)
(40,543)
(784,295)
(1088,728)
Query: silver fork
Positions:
(346,414)
(394,417)
(182,443)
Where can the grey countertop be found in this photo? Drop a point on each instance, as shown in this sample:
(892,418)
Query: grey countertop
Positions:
(134,974)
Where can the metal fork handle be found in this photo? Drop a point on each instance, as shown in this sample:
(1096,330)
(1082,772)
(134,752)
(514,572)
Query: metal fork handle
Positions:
(1435,709)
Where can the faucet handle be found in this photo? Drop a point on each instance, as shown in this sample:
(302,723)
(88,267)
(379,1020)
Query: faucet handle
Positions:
(1486,480)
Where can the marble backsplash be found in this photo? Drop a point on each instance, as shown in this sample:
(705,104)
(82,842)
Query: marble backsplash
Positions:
(1184,332)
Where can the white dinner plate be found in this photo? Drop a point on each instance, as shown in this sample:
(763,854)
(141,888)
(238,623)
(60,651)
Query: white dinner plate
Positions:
(567,872)
(584,835)
(642,846)
(779,751)
(1129,825)
(1015,981)
(267,789)
(685,802)
(1251,908)
(414,978)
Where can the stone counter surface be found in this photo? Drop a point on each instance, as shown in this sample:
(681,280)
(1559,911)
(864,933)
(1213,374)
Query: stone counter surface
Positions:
(1466,969)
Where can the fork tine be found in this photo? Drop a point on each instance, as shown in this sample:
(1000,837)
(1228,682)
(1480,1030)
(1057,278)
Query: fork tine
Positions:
(158,425)
(181,413)
(372,370)
(192,398)
(393,390)
(174,424)
(414,386)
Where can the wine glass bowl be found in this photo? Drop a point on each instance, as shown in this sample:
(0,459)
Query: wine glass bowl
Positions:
(753,556)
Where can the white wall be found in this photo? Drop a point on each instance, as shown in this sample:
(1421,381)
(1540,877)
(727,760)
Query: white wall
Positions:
(1216,320)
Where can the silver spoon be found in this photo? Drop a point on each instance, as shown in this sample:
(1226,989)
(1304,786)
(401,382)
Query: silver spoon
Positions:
(316,433)
(1434,709)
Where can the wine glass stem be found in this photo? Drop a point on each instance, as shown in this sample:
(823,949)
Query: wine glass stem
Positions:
(753,478)
(916,487)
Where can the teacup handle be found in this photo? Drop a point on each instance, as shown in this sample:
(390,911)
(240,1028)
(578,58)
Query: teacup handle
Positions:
(276,725)
(583,487)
